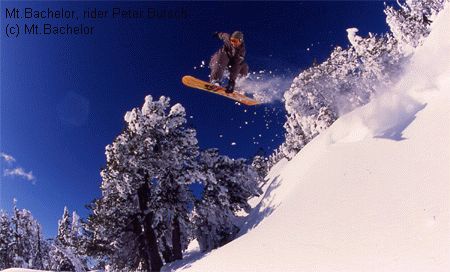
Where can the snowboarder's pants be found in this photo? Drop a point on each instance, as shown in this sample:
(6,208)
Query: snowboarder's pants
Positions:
(220,61)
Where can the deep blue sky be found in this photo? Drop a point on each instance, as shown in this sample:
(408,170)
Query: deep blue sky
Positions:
(63,98)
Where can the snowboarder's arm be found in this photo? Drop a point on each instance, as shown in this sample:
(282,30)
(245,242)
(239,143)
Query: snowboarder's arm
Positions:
(241,55)
(225,37)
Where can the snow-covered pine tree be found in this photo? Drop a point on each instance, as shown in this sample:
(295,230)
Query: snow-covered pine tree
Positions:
(303,101)
(17,250)
(66,252)
(64,258)
(129,222)
(45,247)
(228,184)
(177,170)
(6,240)
(380,61)
(277,155)
(76,231)
(64,229)
(60,262)
(41,257)
(346,80)
(295,138)
(79,240)
(261,165)
(26,246)
(409,23)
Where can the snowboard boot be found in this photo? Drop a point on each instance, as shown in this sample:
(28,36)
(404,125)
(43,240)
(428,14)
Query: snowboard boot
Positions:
(215,82)
(230,87)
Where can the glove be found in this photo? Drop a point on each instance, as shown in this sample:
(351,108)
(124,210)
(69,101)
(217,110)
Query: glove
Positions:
(215,34)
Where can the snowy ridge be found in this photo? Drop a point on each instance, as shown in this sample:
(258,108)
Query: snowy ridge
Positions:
(372,193)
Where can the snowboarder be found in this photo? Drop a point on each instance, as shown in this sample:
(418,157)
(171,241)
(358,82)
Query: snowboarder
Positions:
(231,56)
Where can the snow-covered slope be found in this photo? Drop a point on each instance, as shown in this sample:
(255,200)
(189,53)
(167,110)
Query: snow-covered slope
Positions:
(372,193)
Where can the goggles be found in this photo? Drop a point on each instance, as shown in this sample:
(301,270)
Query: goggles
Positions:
(234,40)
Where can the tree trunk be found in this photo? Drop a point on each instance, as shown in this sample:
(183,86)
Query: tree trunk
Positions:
(167,252)
(142,258)
(151,243)
(176,240)
(150,236)
(39,264)
(18,242)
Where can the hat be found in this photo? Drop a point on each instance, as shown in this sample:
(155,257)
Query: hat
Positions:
(238,35)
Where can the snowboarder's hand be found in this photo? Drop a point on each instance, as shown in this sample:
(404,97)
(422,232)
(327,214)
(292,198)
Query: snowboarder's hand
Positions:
(215,34)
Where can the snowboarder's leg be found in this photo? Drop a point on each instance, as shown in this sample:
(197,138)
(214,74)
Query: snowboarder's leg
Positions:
(218,63)
(235,71)
(240,70)
(243,72)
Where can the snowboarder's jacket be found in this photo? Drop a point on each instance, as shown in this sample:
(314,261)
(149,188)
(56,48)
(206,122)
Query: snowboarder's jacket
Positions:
(236,55)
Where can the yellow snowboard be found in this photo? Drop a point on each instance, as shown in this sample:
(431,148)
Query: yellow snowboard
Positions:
(193,82)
